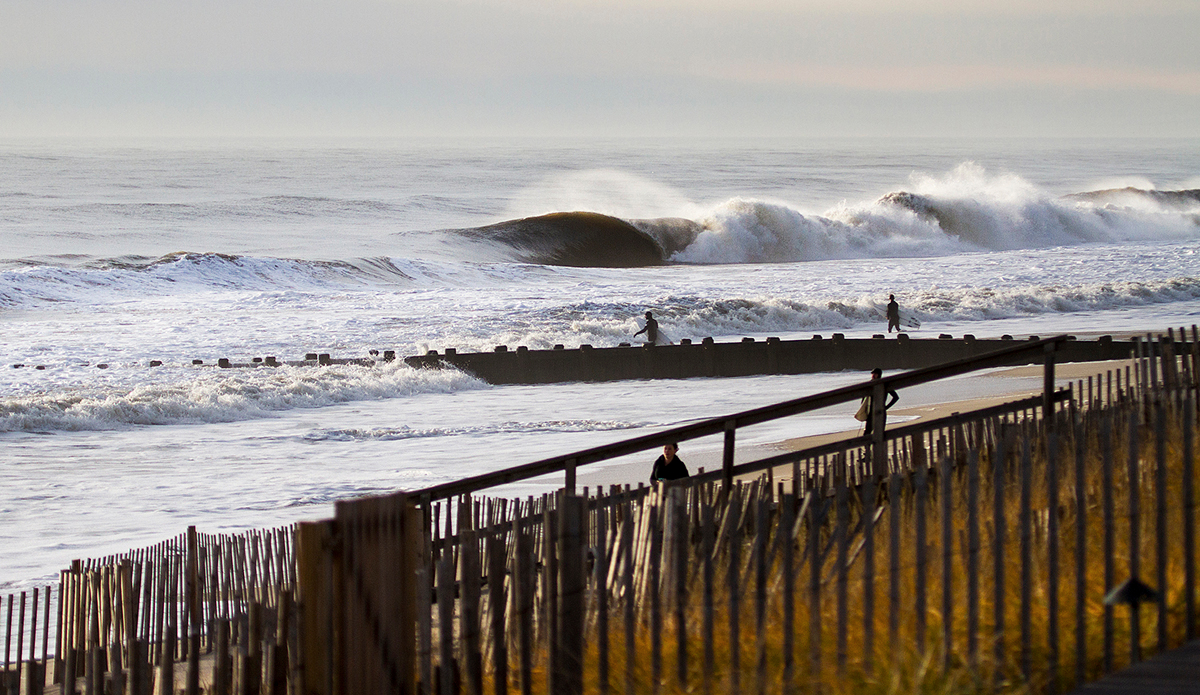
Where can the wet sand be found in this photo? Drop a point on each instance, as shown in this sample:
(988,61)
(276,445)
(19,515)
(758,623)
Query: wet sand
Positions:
(929,401)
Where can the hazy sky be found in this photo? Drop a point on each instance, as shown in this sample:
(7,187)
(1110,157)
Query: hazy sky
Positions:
(600,67)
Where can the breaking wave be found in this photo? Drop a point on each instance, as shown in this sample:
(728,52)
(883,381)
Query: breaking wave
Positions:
(207,395)
(965,210)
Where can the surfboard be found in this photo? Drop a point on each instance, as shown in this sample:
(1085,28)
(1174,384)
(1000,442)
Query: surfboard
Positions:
(911,322)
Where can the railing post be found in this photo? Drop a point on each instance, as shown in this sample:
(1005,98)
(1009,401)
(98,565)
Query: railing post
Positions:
(727,457)
(569,483)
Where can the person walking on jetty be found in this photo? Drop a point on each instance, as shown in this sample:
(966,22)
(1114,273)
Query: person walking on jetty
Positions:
(893,314)
(650,329)
(866,407)
(668,466)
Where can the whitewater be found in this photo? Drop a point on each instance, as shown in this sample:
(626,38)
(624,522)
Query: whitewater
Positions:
(117,254)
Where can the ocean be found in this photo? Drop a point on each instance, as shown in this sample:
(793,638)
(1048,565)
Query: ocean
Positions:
(114,254)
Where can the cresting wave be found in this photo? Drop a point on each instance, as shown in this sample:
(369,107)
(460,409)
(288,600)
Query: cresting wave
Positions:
(967,210)
(206,396)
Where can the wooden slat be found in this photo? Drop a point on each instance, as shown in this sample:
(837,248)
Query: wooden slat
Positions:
(600,587)
(1107,505)
(1133,471)
(921,477)
(1026,526)
(1052,558)
(1189,517)
(973,548)
(708,547)
(1160,518)
(784,538)
(1081,514)
(814,587)
(946,520)
(733,586)
(1000,529)
(894,562)
(842,535)
(869,493)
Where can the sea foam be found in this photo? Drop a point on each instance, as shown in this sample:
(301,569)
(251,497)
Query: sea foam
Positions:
(205,395)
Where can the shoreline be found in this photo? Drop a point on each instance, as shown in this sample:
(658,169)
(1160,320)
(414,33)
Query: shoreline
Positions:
(931,401)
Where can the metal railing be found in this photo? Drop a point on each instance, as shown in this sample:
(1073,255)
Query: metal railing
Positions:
(1043,350)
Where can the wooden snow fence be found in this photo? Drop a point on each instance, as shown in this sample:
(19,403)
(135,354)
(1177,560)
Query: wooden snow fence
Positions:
(983,546)
(144,621)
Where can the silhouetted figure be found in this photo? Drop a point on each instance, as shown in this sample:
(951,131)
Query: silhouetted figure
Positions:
(867,407)
(650,329)
(668,466)
(893,314)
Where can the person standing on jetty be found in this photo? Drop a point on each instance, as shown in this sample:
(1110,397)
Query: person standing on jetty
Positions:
(866,407)
(893,314)
(668,466)
(650,329)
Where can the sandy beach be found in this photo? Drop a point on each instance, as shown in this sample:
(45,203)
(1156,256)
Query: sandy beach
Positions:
(929,401)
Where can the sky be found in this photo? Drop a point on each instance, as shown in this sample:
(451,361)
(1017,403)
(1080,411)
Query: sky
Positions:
(395,68)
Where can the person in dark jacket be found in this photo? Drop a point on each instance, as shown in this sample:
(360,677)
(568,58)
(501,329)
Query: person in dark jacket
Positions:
(865,409)
(668,466)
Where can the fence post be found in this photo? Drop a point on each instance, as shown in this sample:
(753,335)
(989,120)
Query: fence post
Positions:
(312,592)
(1048,386)
(571,596)
(191,587)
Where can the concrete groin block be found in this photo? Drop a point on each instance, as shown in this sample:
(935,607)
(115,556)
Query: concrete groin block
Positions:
(310,356)
(271,361)
(155,363)
(324,359)
(390,355)
(224,363)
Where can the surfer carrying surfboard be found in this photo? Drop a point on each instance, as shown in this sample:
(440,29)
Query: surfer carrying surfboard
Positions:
(650,329)
(893,314)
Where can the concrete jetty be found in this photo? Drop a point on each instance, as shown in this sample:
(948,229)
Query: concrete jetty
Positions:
(749,357)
